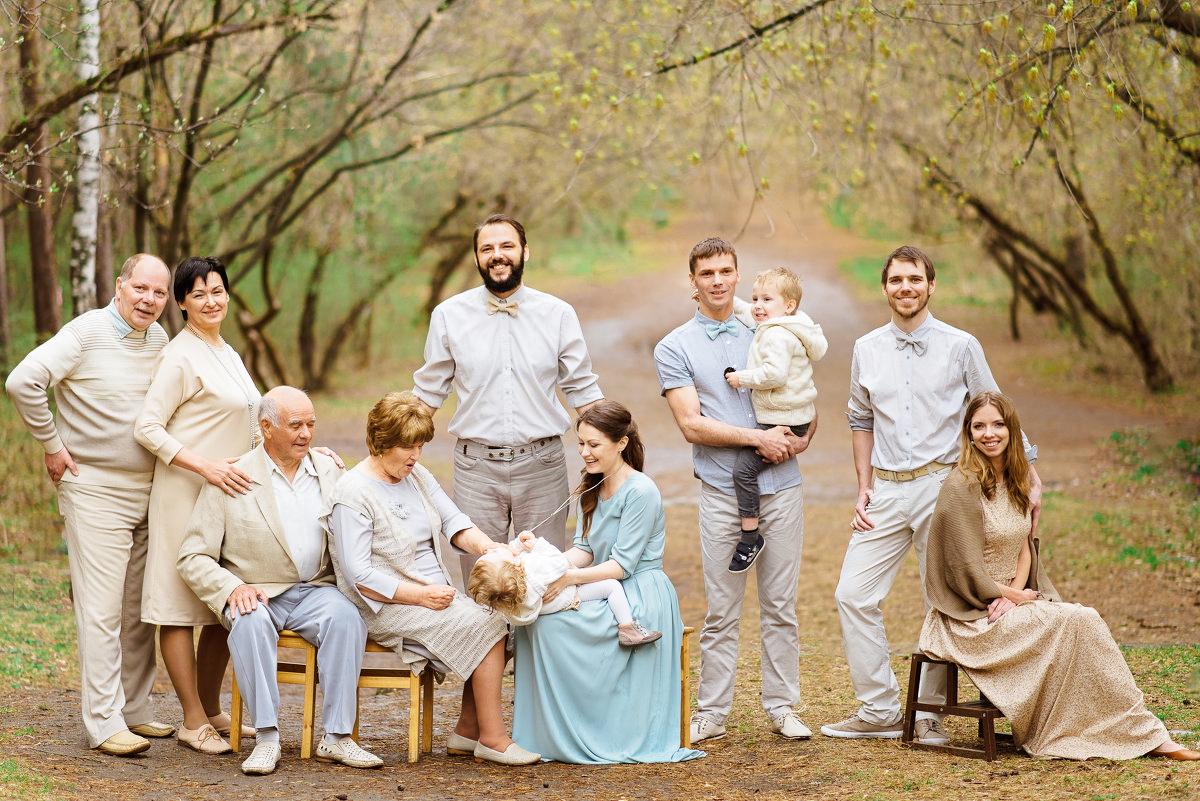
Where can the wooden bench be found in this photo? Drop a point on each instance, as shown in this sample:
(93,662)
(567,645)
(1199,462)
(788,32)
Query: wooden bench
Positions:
(420,715)
(685,688)
(982,710)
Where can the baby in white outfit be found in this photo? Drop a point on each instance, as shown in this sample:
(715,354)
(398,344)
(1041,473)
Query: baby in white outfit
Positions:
(513,579)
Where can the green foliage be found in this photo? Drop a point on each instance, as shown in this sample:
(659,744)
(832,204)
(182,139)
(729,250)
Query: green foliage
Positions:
(21,784)
(37,626)
(29,521)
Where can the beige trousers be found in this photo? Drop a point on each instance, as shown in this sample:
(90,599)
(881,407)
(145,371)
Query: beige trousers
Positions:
(106,541)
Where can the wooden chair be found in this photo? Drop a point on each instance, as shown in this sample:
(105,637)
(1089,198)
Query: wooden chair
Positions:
(420,716)
(982,710)
(685,688)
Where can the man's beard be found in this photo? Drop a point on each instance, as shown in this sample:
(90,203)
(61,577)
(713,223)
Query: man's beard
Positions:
(513,281)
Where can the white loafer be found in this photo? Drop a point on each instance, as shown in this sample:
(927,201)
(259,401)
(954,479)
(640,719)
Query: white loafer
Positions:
(460,746)
(262,760)
(348,753)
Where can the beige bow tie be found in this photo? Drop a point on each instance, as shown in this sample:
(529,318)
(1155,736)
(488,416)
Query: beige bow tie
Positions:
(506,306)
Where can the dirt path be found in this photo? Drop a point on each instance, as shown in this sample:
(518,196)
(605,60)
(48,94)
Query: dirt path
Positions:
(623,320)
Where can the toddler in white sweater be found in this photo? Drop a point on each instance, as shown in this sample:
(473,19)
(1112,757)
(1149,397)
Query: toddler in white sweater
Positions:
(779,371)
(513,579)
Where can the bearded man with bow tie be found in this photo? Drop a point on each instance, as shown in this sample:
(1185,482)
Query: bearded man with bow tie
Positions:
(506,348)
(719,420)
(910,382)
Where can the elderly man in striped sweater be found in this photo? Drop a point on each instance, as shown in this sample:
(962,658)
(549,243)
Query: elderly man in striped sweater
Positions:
(99,367)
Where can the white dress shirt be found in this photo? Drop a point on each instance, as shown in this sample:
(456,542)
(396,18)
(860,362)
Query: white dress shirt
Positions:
(300,504)
(506,369)
(914,403)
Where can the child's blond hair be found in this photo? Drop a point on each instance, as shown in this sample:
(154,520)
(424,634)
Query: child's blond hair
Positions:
(784,282)
(499,586)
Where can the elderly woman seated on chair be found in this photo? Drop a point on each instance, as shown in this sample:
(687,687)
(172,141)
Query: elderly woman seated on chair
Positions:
(389,524)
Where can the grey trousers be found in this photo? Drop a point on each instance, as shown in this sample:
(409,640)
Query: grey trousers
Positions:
(777,570)
(324,617)
(106,541)
(522,492)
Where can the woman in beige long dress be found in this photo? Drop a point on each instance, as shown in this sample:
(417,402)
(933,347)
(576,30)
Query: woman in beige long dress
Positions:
(1052,668)
(198,417)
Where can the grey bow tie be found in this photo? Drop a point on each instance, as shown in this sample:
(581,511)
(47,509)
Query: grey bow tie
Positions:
(903,340)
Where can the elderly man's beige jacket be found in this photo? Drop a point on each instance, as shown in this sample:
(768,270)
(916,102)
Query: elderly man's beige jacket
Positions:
(240,540)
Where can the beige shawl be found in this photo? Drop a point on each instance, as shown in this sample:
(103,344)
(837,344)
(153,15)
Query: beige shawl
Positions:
(956,580)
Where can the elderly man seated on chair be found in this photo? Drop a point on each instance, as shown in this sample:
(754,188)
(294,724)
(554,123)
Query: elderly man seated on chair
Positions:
(259,560)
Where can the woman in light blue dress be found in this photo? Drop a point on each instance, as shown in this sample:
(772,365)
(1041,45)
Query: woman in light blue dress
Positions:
(580,697)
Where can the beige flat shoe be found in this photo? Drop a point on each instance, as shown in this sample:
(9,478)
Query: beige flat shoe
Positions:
(223,723)
(153,729)
(458,745)
(124,743)
(513,755)
(204,739)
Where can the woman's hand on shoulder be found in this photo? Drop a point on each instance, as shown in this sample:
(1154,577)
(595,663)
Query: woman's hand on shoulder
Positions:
(332,454)
(435,596)
(224,474)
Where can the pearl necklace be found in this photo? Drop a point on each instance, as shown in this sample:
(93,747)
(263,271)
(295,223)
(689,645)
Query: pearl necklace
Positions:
(237,378)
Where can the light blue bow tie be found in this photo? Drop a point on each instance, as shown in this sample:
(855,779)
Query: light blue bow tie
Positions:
(714,329)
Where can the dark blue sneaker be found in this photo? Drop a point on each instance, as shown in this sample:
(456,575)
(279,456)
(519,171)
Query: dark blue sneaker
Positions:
(744,555)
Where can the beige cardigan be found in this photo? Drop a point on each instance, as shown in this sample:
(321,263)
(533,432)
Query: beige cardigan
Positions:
(956,581)
(240,540)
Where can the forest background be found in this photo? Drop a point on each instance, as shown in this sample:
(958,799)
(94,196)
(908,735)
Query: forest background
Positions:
(336,155)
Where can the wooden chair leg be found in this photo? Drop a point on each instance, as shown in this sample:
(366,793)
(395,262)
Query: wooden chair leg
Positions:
(414,717)
(427,711)
(915,668)
(235,715)
(685,688)
(310,702)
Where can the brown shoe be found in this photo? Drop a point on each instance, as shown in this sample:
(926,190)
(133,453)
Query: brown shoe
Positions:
(204,739)
(124,743)
(1182,754)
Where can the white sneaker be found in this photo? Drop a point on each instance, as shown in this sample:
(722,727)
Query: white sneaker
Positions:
(930,732)
(347,752)
(790,727)
(705,729)
(262,760)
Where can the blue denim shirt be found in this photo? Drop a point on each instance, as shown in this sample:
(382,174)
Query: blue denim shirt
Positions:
(686,357)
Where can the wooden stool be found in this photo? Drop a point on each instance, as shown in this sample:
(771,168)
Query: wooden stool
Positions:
(420,720)
(982,710)
(685,688)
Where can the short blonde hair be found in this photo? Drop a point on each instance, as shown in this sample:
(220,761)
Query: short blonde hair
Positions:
(398,420)
(784,281)
(498,585)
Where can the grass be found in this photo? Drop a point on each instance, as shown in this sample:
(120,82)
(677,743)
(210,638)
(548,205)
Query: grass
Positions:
(29,521)
(20,783)
(37,626)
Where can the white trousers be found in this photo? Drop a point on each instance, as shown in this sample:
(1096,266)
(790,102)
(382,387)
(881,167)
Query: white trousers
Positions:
(777,571)
(901,512)
(106,545)
(324,617)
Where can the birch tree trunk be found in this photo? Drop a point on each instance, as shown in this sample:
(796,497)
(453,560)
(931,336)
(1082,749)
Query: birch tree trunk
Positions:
(87,169)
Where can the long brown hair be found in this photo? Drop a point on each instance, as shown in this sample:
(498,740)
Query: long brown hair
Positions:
(614,421)
(974,464)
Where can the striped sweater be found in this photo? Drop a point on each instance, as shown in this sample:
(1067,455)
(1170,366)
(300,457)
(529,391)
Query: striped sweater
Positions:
(99,381)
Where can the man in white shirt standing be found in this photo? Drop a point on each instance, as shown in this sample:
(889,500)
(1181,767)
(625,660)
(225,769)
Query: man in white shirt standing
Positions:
(260,561)
(910,382)
(99,366)
(506,348)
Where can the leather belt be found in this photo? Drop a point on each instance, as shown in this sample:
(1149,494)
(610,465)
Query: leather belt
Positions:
(503,453)
(909,475)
